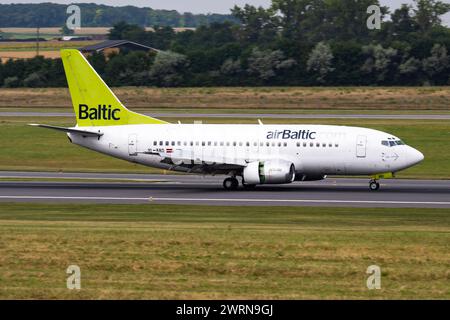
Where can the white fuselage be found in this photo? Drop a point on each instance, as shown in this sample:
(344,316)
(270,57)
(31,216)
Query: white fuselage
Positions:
(313,149)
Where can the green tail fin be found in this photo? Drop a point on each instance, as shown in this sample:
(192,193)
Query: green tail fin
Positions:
(94,103)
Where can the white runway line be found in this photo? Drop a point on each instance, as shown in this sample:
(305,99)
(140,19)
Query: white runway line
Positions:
(227,200)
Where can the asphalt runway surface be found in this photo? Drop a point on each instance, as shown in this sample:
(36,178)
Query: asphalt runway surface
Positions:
(190,189)
(253,115)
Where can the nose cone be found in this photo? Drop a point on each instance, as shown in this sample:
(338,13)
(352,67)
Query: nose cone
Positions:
(415,156)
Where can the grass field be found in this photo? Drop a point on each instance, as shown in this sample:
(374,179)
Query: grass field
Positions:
(281,99)
(46,46)
(196,252)
(27,50)
(30,148)
(82,31)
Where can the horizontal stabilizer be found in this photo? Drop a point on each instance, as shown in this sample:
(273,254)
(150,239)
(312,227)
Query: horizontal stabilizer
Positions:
(69,130)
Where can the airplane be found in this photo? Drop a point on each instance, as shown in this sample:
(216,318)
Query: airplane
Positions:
(257,153)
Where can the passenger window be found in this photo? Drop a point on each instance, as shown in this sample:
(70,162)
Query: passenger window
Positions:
(173,143)
(304,144)
(298,144)
(285,144)
(279,144)
(228,144)
(215,143)
(240,144)
(192,143)
(311,144)
(209,143)
(161,143)
(268,144)
(155,143)
(317,144)
(324,145)
(336,145)
(330,145)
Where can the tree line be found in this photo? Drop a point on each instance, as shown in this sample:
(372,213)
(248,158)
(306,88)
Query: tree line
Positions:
(293,43)
(95,15)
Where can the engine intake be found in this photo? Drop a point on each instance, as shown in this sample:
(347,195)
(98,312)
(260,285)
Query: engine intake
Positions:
(269,172)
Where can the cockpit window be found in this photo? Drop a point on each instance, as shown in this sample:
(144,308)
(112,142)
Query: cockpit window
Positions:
(392,143)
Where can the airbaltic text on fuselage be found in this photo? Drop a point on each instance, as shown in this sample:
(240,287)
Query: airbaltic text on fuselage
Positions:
(290,134)
(102,112)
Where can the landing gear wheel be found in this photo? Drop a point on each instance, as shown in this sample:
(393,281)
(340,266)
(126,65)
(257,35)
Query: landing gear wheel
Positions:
(374,185)
(230,184)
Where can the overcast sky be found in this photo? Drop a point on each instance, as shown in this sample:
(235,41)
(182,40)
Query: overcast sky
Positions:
(199,6)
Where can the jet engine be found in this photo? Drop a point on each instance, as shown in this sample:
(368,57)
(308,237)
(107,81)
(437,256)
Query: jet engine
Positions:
(269,172)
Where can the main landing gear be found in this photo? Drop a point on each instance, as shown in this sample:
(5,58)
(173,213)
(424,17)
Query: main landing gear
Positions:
(374,185)
(231,183)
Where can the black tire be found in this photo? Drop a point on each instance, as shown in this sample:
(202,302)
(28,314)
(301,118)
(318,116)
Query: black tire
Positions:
(374,186)
(230,184)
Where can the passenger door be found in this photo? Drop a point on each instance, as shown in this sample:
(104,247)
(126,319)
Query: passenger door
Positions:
(361,146)
(132,144)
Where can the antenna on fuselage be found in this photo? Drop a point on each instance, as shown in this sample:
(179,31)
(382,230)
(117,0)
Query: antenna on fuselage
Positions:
(260,122)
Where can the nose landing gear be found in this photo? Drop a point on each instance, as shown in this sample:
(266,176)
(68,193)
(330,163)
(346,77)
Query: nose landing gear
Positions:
(374,185)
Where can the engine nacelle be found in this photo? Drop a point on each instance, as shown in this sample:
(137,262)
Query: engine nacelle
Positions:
(304,177)
(269,172)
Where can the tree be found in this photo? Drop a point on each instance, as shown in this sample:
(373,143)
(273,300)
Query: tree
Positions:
(320,61)
(437,63)
(403,22)
(379,61)
(121,29)
(410,66)
(428,13)
(266,63)
(257,24)
(169,68)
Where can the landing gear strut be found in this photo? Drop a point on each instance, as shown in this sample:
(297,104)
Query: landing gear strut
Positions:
(231,183)
(374,185)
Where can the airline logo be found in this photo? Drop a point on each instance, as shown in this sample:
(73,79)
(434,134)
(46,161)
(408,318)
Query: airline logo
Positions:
(289,134)
(102,112)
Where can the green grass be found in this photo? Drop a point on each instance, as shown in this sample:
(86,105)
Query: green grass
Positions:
(200,252)
(29,148)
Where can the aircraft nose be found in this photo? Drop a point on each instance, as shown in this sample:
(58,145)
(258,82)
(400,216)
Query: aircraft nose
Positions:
(415,156)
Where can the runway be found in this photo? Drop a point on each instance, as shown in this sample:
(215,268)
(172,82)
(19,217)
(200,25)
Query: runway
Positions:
(253,115)
(187,189)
